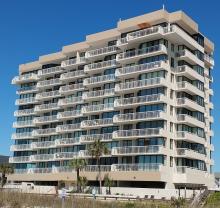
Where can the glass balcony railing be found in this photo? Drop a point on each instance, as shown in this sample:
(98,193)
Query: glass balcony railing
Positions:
(68,127)
(71,88)
(101,51)
(45,107)
(100,65)
(94,137)
(73,62)
(98,93)
(72,75)
(25,78)
(25,112)
(99,79)
(50,71)
(69,114)
(50,94)
(48,83)
(98,108)
(97,122)
(70,101)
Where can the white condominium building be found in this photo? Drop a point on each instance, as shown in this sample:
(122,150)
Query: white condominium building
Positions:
(142,88)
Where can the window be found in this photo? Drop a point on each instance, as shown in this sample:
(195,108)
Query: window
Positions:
(171,143)
(172,62)
(171,161)
(172,47)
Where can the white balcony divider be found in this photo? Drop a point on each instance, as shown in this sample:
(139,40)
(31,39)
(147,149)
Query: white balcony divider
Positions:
(99,79)
(98,93)
(101,51)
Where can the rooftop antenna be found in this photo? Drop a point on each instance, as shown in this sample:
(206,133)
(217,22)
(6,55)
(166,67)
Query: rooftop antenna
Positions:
(163,7)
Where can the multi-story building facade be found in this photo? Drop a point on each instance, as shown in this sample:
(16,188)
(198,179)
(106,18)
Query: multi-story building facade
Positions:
(143,88)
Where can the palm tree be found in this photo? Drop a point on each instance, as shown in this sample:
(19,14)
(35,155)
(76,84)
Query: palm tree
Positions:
(178,203)
(96,150)
(108,183)
(77,165)
(83,182)
(5,169)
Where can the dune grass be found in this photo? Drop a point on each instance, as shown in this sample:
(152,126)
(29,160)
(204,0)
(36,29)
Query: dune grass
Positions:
(213,201)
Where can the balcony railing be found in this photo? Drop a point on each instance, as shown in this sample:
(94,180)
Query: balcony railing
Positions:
(42,157)
(25,101)
(48,83)
(95,168)
(139,84)
(140,52)
(41,170)
(19,124)
(25,78)
(68,127)
(99,93)
(101,51)
(209,59)
(67,141)
(48,95)
(138,100)
(149,167)
(70,101)
(45,119)
(25,135)
(136,150)
(137,133)
(41,145)
(44,132)
(20,147)
(140,68)
(72,75)
(73,62)
(137,116)
(99,80)
(98,108)
(97,122)
(94,137)
(45,107)
(100,65)
(29,89)
(25,112)
(66,155)
(122,42)
(71,88)
(50,71)
(69,114)
(20,159)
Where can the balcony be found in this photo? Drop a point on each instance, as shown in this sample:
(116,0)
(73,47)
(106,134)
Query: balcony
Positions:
(26,135)
(21,159)
(100,66)
(139,116)
(133,56)
(50,71)
(26,101)
(94,95)
(42,157)
(188,72)
(26,112)
(46,107)
(23,124)
(122,43)
(41,170)
(209,60)
(48,95)
(137,150)
(91,109)
(43,145)
(189,120)
(139,133)
(70,101)
(67,141)
(99,80)
(101,52)
(189,88)
(71,63)
(190,137)
(25,90)
(20,147)
(25,78)
(45,119)
(65,155)
(95,168)
(97,123)
(73,75)
(68,128)
(189,104)
(69,114)
(69,89)
(190,154)
(147,34)
(48,83)
(148,167)
(94,137)
(189,57)
(139,100)
(140,85)
(131,71)
(44,132)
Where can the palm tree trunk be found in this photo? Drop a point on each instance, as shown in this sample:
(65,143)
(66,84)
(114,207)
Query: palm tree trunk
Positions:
(100,179)
(77,180)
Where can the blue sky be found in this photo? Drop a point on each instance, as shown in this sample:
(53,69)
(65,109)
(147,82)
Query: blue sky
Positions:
(29,29)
